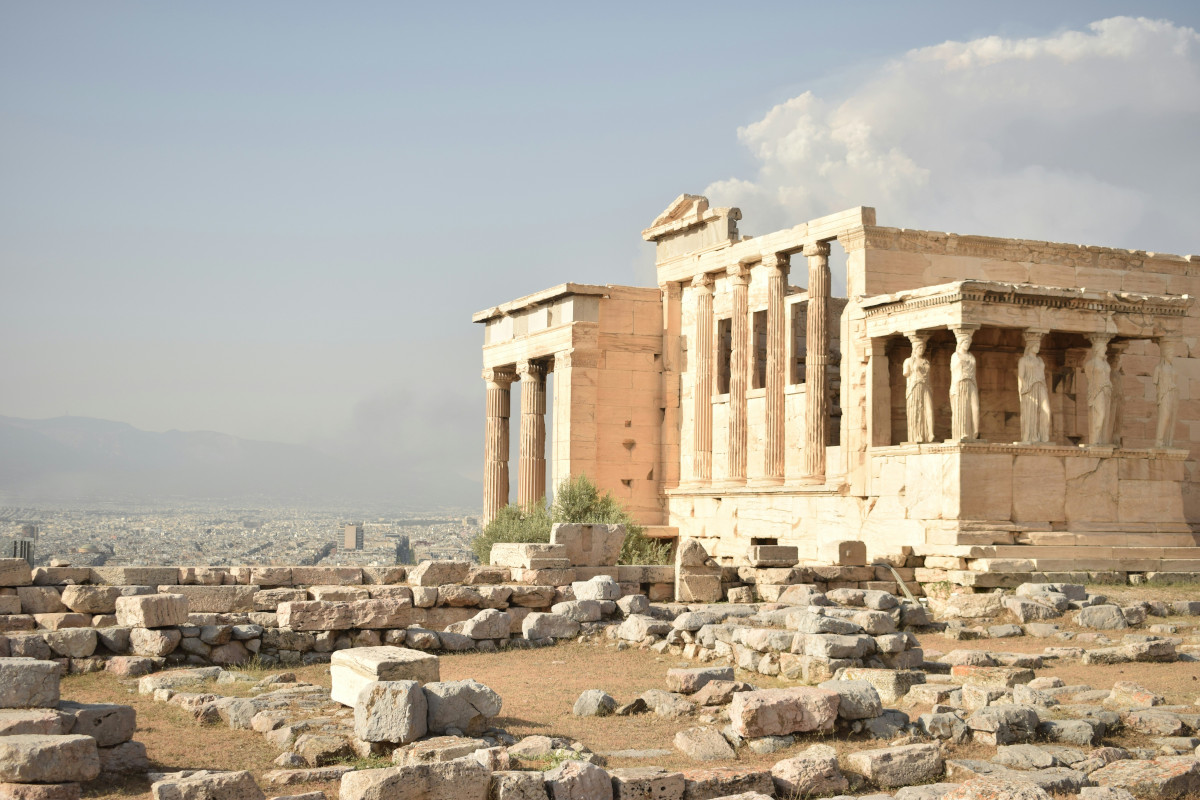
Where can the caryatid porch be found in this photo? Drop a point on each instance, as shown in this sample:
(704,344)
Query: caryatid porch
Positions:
(1025,389)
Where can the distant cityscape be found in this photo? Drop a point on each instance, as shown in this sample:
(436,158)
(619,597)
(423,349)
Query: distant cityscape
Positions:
(206,535)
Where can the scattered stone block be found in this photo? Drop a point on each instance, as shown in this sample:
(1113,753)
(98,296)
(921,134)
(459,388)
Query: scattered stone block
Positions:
(813,773)
(127,758)
(578,780)
(518,785)
(858,699)
(689,681)
(352,669)
(31,758)
(39,791)
(463,706)
(108,723)
(637,627)
(704,744)
(894,767)
(1102,617)
(778,712)
(391,711)
(847,553)
(1168,777)
(594,703)
(437,749)
(646,783)
(206,785)
(72,643)
(1004,724)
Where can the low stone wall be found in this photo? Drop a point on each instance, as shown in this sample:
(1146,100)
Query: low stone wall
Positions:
(137,619)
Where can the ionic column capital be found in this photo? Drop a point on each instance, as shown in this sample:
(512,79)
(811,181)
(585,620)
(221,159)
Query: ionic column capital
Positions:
(776,263)
(703,282)
(531,370)
(817,250)
(739,275)
(502,376)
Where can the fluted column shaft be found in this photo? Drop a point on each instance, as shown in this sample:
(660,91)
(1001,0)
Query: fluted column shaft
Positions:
(776,268)
(702,391)
(816,362)
(495,442)
(531,475)
(739,368)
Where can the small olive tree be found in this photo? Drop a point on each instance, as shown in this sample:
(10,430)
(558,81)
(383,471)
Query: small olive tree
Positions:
(575,500)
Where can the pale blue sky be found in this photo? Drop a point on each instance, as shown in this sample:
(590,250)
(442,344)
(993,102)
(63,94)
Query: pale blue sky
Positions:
(274,219)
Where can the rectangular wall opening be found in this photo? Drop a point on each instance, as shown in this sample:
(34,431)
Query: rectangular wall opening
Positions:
(724,354)
(758,378)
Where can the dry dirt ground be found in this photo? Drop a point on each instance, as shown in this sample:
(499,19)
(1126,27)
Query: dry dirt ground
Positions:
(539,689)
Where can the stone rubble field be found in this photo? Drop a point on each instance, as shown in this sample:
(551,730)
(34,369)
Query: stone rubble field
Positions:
(820,694)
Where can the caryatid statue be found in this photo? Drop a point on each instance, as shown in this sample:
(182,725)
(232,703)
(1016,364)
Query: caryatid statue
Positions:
(1035,398)
(918,394)
(1099,390)
(964,389)
(1167,390)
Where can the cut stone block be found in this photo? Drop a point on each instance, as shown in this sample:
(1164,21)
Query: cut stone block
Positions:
(779,712)
(15,572)
(843,553)
(529,556)
(352,669)
(28,683)
(99,599)
(589,544)
(152,610)
(467,706)
(391,711)
(439,573)
(39,791)
(777,555)
(209,786)
(459,779)
(42,721)
(108,723)
(48,759)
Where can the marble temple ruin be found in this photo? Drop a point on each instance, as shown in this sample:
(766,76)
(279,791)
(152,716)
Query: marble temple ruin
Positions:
(991,405)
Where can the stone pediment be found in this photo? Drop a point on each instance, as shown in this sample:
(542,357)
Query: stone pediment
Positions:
(685,212)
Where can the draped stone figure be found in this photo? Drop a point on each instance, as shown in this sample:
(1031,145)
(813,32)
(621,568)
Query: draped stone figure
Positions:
(1099,379)
(964,389)
(1117,409)
(1035,398)
(918,394)
(1167,390)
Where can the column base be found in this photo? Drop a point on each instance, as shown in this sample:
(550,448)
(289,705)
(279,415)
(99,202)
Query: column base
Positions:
(812,480)
(772,481)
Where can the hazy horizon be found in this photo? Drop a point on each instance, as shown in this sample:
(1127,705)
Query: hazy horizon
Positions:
(273,221)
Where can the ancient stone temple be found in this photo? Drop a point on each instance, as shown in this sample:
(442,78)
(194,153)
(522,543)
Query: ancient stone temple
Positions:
(994,404)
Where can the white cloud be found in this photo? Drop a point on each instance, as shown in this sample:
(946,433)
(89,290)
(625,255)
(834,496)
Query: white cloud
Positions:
(1084,136)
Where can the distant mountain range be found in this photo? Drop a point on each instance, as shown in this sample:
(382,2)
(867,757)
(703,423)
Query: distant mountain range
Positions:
(84,459)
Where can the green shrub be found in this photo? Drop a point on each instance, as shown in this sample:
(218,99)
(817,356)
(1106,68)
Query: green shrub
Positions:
(576,500)
(513,524)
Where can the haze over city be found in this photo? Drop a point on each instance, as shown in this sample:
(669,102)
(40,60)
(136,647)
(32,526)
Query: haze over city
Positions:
(273,221)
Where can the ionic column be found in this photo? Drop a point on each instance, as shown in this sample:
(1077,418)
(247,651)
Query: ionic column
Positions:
(816,362)
(739,367)
(495,441)
(531,477)
(702,391)
(776,269)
